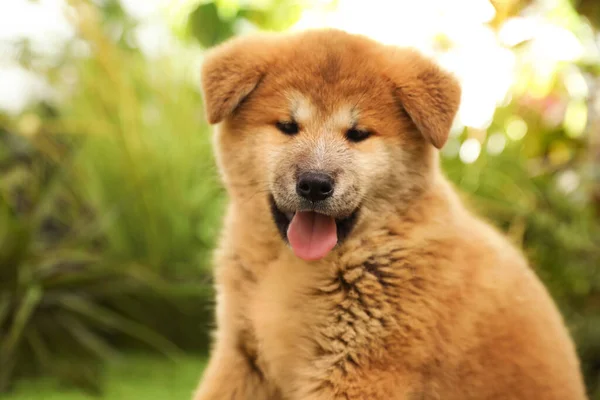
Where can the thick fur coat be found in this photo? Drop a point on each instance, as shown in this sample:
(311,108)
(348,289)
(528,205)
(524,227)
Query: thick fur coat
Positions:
(418,298)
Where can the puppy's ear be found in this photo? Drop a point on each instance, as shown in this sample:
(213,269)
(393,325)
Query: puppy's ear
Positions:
(429,95)
(230,72)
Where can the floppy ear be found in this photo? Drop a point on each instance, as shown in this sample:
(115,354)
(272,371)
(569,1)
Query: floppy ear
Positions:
(229,73)
(429,95)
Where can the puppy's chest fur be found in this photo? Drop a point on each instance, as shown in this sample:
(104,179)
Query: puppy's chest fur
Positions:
(320,322)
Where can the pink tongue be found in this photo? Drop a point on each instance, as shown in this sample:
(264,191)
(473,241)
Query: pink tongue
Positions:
(312,235)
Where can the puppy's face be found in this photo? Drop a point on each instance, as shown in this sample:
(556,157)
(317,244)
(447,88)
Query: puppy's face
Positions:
(324,124)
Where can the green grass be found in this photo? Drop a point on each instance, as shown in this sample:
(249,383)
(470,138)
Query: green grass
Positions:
(135,377)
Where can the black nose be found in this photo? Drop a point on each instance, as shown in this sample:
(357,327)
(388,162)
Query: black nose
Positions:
(314,186)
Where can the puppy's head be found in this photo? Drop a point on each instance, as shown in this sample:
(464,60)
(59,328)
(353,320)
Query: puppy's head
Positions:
(323,125)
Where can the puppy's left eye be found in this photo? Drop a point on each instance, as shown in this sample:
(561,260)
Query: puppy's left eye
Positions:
(288,127)
(357,135)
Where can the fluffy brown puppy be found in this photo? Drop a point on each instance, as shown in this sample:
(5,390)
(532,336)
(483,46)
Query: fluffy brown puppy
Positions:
(348,268)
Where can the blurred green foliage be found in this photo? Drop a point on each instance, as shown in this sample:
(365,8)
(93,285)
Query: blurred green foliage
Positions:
(109,208)
(211,22)
(136,376)
(109,200)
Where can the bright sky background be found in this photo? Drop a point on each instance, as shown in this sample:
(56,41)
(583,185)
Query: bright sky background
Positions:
(478,56)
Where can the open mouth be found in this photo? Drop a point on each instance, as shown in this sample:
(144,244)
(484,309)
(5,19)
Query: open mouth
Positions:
(312,235)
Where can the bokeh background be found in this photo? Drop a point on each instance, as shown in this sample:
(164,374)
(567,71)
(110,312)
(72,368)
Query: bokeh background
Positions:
(110,203)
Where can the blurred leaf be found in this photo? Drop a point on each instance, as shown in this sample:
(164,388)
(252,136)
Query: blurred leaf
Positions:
(10,342)
(87,337)
(109,319)
(590,9)
(207,27)
(281,15)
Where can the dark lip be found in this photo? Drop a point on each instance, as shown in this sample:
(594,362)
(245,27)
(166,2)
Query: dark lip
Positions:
(344,225)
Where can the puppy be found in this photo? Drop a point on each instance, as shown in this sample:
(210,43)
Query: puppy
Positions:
(347,267)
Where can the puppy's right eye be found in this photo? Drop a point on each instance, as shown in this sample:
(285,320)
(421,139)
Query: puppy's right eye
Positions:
(288,127)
